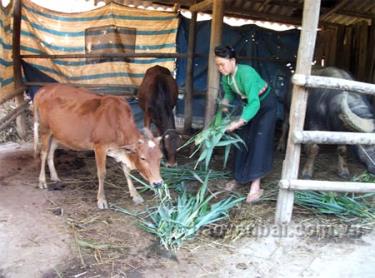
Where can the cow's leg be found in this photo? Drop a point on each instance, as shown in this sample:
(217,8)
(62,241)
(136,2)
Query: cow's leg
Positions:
(312,151)
(45,145)
(342,167)
(51,164)
(137,199)
(100,157)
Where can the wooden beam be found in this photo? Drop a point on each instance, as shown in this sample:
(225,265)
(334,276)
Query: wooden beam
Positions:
(202,6)
(355,14)
(330,137)
(17,72)
(320,185)
(334,9)
(305,55)
(263,16)
(311,81)
(213,85)
(189,84)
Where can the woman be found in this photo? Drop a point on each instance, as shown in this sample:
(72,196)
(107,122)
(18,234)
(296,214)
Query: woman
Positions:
(256,124)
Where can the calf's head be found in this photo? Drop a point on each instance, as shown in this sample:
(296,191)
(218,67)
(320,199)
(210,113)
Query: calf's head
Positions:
(170,142)
(145,156)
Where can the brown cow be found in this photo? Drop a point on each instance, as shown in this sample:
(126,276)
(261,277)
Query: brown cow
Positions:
(81,120)
(157,96)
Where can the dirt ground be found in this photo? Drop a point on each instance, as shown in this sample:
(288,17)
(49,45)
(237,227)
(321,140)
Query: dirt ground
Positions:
(61,233)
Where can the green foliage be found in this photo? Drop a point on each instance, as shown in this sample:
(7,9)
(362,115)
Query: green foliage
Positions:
(185,173)
(364,177)
(211,137)
(175,222)
(345,206)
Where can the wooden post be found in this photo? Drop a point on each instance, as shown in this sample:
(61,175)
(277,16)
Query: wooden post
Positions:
(213,73)
(370,51)
(21,120)
(347,49)
(371,58)
(189,87)
(310,20)
(363,59)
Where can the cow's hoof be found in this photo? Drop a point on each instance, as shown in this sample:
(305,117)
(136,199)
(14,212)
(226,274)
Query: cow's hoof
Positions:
(344,174)
(56,185)
(138,200)
(102,204)
(43,185)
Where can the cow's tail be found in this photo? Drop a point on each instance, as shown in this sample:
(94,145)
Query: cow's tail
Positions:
(36,130)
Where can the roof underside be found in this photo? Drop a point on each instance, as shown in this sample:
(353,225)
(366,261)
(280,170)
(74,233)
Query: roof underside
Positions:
(343,12)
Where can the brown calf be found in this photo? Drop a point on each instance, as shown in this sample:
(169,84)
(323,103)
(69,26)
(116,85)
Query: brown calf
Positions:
(81,120)
(157,96)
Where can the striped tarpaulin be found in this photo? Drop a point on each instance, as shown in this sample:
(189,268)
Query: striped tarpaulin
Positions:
(6,64)
(109,29)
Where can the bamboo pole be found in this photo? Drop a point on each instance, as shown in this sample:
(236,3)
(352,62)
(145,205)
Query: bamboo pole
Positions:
(311,81)
(7,97)
(213,73)
(127,91)
(16,49)
(189,84)
(305,54)
(107,55)
(143,55)
(40,84)
(7,120)
(330,137)
(320,185)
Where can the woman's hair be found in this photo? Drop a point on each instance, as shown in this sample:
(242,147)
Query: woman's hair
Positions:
(225,52)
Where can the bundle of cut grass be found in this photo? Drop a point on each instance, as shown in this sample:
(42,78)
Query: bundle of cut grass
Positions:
(364,177)
(211,137)
(346,206)
(186,173)
(176,222)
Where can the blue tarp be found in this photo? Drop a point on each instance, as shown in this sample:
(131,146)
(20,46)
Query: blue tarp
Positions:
(248,40)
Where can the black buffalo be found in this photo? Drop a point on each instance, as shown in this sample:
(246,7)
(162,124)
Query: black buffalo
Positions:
(337,110)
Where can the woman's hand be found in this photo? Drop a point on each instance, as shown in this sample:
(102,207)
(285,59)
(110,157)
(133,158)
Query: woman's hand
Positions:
(224,105)
(235,125)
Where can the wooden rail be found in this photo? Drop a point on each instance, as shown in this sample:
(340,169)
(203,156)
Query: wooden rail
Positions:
(311,81)
(331,137)
(320,185)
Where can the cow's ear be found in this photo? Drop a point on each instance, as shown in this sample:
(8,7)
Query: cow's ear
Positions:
(129,148)
(158,139)
(147,132)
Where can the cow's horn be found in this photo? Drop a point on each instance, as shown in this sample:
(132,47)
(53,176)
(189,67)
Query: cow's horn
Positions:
(352,120)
